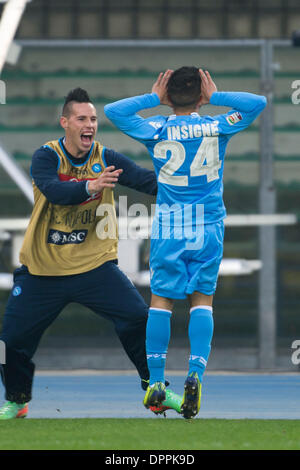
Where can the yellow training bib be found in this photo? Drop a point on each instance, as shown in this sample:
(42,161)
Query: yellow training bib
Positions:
(64,240)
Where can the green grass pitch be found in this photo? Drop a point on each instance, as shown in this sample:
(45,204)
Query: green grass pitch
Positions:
(149,434)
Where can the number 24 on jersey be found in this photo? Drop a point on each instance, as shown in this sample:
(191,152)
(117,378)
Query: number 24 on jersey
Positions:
(205,163)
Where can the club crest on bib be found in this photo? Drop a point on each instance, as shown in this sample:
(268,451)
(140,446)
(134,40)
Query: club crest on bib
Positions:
(16,291)
(96,168)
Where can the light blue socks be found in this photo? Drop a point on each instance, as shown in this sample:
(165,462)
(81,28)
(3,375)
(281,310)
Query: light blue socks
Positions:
(158,333)
(201,326)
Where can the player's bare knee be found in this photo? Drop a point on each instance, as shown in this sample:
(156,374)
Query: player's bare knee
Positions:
(197,298)
(161,302)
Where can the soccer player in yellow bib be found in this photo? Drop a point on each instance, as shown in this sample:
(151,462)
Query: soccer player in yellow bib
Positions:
(66,255)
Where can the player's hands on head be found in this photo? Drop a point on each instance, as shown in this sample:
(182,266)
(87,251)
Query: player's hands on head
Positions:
(208,87)
(160,87)
(108,179)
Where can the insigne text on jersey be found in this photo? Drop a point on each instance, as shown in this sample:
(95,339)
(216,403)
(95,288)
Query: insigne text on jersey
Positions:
(191,131)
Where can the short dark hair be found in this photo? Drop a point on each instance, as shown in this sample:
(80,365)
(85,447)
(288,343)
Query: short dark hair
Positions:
(77,95)
(184,87)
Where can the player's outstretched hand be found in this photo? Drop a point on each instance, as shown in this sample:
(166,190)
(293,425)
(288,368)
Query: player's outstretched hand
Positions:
(160,87)
(107,179)
(208,87)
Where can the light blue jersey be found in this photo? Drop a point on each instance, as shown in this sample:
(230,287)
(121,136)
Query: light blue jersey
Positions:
(188,153)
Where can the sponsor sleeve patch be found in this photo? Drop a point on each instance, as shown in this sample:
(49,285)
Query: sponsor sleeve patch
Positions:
(234,118)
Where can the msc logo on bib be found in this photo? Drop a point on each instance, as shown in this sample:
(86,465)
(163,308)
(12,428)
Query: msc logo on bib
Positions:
(57,237)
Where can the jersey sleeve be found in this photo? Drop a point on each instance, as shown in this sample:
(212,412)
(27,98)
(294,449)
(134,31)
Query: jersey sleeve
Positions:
(133,176)
(246,107)
(123,114)
(44,166)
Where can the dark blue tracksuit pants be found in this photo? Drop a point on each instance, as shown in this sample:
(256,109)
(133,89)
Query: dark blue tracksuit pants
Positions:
(36,301)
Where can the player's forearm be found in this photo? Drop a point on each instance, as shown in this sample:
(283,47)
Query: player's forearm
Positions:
(241,101)
(133,176)
(44,174)
(141,180)
(124,115)
(130,106)
(63,193)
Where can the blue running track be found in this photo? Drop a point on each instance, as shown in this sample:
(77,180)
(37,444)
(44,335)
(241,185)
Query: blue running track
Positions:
(82,395)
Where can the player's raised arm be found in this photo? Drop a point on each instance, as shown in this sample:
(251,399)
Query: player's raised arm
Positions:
(245,106)
(123,113)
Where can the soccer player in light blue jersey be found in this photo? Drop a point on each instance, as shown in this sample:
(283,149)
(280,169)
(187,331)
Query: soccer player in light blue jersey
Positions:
(188,152)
